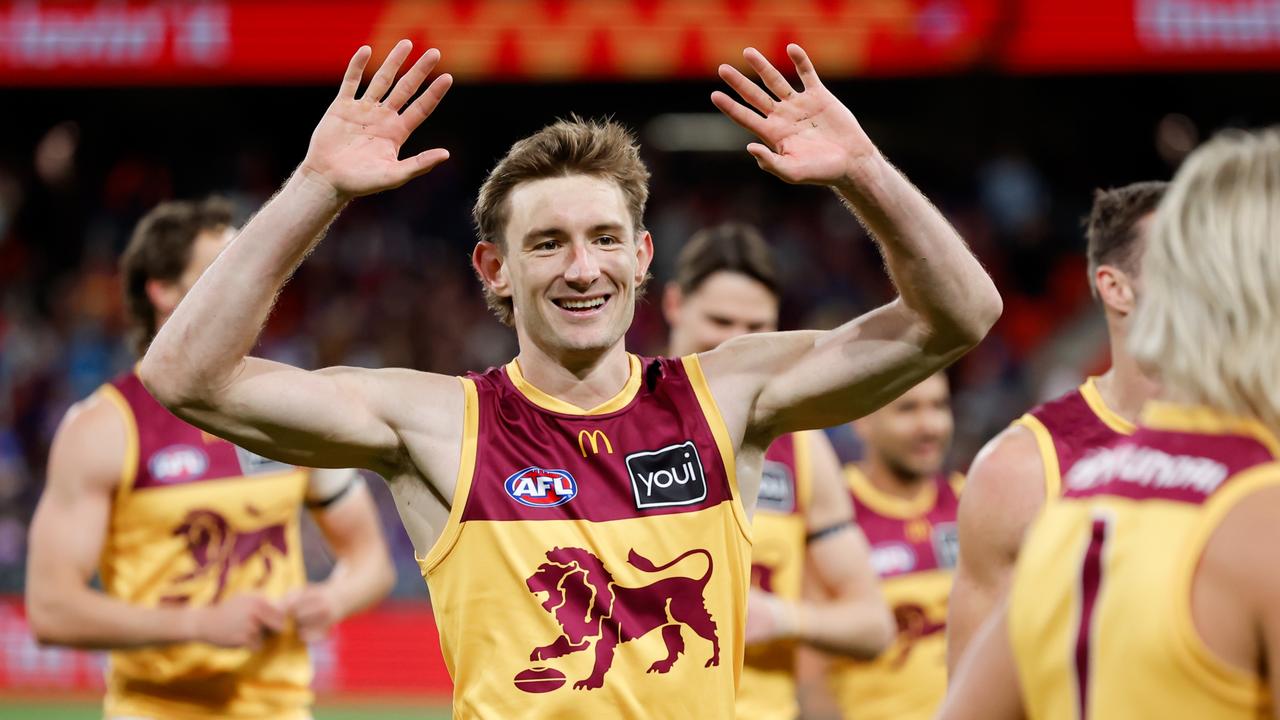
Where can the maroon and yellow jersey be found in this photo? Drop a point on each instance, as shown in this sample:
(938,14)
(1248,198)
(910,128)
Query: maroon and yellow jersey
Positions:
(1100,609)
(914,551)
(196,520)
(1067,428)
(778,530)
(595,562)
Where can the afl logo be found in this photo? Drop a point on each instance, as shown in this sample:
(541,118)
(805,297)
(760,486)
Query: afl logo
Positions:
(178,463)
(536,487)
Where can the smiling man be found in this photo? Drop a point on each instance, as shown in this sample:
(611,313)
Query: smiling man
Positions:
(619,587)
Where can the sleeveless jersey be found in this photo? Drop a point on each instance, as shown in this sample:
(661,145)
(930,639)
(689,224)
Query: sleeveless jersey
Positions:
(1100,609)
(913,550)
(197,520)
(1067,428)
(778,530)
(595,563)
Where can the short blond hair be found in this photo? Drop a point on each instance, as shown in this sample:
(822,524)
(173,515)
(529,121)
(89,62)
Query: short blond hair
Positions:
(1208,322)
(573,146)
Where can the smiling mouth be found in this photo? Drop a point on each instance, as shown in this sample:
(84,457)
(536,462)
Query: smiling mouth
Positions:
(582,306)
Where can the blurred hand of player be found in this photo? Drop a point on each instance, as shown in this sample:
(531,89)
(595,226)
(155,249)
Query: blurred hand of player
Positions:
(314,610)
(241,621)
(808,137)
(767,617)
(356,146)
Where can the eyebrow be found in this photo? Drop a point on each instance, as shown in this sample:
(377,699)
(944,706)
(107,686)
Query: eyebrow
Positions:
(553,231)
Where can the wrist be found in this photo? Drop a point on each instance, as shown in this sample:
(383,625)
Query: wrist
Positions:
(313,182)
(189,624)
(862,173)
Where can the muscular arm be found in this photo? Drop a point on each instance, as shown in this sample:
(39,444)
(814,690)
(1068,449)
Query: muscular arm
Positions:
(1002,495)
(985,686)
(198,365)
(66,541)
(363,573)
(844,613)
(946,302)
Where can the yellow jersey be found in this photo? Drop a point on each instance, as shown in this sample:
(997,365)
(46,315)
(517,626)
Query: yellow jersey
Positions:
(196,520)
(779,529)
(595,563)
(1100,608)
(914,551)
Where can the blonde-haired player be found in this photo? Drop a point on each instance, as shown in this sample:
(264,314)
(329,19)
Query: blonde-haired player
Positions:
(204,601)
(1150,589)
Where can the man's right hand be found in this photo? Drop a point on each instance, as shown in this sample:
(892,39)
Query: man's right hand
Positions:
(243,621)
(356,147)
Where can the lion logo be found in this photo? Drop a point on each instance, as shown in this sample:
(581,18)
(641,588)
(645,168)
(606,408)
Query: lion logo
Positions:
(592,610)
(217,547)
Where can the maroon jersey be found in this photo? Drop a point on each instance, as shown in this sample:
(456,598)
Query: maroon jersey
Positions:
(574,532)
(1067,428)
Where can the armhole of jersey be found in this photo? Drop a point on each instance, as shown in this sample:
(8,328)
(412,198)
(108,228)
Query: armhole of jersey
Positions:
(1227,681)
(956,481)
(129,468)
(711,411)
(1048,455)
(804,472)
(462,487)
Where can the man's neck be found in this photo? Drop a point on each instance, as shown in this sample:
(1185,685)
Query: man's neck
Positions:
(884,479)
(1124,388)
(582,380)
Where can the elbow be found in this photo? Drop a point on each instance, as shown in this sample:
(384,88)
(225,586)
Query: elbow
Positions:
(963,330)
(385,579)
(169,381)
(879,635)
(45,621)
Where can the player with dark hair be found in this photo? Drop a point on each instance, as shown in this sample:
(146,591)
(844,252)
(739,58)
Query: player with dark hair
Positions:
(204,601)
(582,515)
(726,285)
(1021,469)
(1149,589)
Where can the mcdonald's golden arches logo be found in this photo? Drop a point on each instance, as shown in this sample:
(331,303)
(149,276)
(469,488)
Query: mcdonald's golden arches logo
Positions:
(594,437)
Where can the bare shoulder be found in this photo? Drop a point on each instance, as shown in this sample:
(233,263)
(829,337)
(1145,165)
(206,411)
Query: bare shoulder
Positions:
(90,446)
(1006,481)
(1241,550)
(738,370)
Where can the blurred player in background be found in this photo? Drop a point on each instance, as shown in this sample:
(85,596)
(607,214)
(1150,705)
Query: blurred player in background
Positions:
(1022,468)
(726,285)
(204,601)
(906,505)
(1149,590)
(579,498)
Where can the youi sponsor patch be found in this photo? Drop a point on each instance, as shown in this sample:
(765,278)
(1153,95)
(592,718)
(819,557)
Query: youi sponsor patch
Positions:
(667,477)
(541,488)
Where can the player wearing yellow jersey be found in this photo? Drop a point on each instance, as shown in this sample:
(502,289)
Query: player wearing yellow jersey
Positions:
(726,285)
(1022,467)
(611,494)
(906,506)
(1149,590)
(204,601)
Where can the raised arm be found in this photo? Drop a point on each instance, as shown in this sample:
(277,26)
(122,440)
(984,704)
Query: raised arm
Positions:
(1002,496)
(67,534)
(198,366)
(946,302)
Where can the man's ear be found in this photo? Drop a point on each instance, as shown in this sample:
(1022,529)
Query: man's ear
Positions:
(164,296)
(644,255)
(1115,289)
(672,300)
(490,264)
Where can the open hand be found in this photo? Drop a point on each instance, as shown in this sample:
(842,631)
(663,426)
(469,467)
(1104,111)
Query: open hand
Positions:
(809,137)
(356,146)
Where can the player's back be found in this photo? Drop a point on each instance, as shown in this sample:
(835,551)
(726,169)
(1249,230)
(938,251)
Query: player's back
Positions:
(1068,427)
(768,687)
(913,550)
(196,520)
(1100,610)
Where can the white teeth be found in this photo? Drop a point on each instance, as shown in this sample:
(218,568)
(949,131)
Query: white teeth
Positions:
(582,304)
